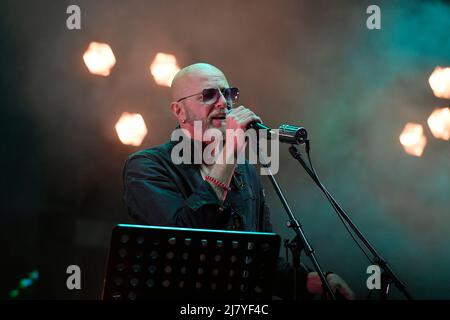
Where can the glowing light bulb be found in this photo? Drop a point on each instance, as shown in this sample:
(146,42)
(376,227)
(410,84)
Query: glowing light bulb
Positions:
(131,129)
(99,59)
(440,82)
(163,69)
(439,123)
(413,139)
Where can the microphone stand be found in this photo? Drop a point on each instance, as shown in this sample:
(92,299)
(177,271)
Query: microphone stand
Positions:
(301,241)
(388,276)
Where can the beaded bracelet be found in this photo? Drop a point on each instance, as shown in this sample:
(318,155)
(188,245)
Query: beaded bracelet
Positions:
(217,182)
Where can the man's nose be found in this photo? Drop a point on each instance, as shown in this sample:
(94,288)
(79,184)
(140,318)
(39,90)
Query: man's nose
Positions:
(221,101)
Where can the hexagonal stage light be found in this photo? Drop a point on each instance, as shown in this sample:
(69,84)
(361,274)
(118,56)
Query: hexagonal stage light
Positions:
(163,69)
(440,82)
(439,123)
(131,129)
(99,59)
(413,139)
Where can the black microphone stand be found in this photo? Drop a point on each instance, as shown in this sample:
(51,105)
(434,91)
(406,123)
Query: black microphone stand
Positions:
(300,241)
(388,276)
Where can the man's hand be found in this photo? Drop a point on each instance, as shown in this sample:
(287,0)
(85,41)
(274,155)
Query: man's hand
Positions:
(238,119)
(314,285)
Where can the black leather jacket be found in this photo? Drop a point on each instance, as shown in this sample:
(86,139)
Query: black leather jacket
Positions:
(159,192)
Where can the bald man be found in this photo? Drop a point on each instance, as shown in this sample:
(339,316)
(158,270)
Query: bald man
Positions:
(158,192)
(221,195)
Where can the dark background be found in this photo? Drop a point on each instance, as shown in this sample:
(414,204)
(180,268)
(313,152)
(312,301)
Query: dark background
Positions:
(312,63)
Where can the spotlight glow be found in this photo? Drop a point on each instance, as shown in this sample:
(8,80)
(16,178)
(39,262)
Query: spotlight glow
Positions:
(99,59)
(163,69)
(440,82)
(413,139)
(439,123)
(131,129)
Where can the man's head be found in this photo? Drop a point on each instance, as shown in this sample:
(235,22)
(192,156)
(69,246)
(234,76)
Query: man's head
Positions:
(187,99)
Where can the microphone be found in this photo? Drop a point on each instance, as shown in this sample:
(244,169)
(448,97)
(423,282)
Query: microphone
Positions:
(259,126)
(292,134)
(286,133)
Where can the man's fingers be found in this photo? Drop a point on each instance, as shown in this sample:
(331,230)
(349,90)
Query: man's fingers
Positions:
(337,284)
(239,114)
(243,117)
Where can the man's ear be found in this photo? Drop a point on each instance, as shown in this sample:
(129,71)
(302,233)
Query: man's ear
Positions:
(178,110)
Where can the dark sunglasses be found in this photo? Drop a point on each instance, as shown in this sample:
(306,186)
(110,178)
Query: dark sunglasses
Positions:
(211,95)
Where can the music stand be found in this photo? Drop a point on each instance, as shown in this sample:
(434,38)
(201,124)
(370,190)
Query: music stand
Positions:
(159,263)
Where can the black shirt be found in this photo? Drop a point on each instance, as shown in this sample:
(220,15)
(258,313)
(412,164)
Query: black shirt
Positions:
(159,192)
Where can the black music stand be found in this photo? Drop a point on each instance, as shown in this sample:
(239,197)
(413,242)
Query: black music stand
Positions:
(162,263)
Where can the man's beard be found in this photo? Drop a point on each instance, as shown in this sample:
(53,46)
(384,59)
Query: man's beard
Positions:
(190,118)
(206,123)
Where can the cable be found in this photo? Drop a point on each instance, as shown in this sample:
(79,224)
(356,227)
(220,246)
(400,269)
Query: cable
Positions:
(331,200)
(345,219)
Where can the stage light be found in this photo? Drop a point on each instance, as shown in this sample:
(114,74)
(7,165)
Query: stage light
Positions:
(413,139)
(440,82)
(24,284)
(14,293)
(163,69)
(439,123)
(131,129)
(99,59)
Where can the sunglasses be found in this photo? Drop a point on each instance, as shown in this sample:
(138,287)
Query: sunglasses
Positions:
(211,95)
